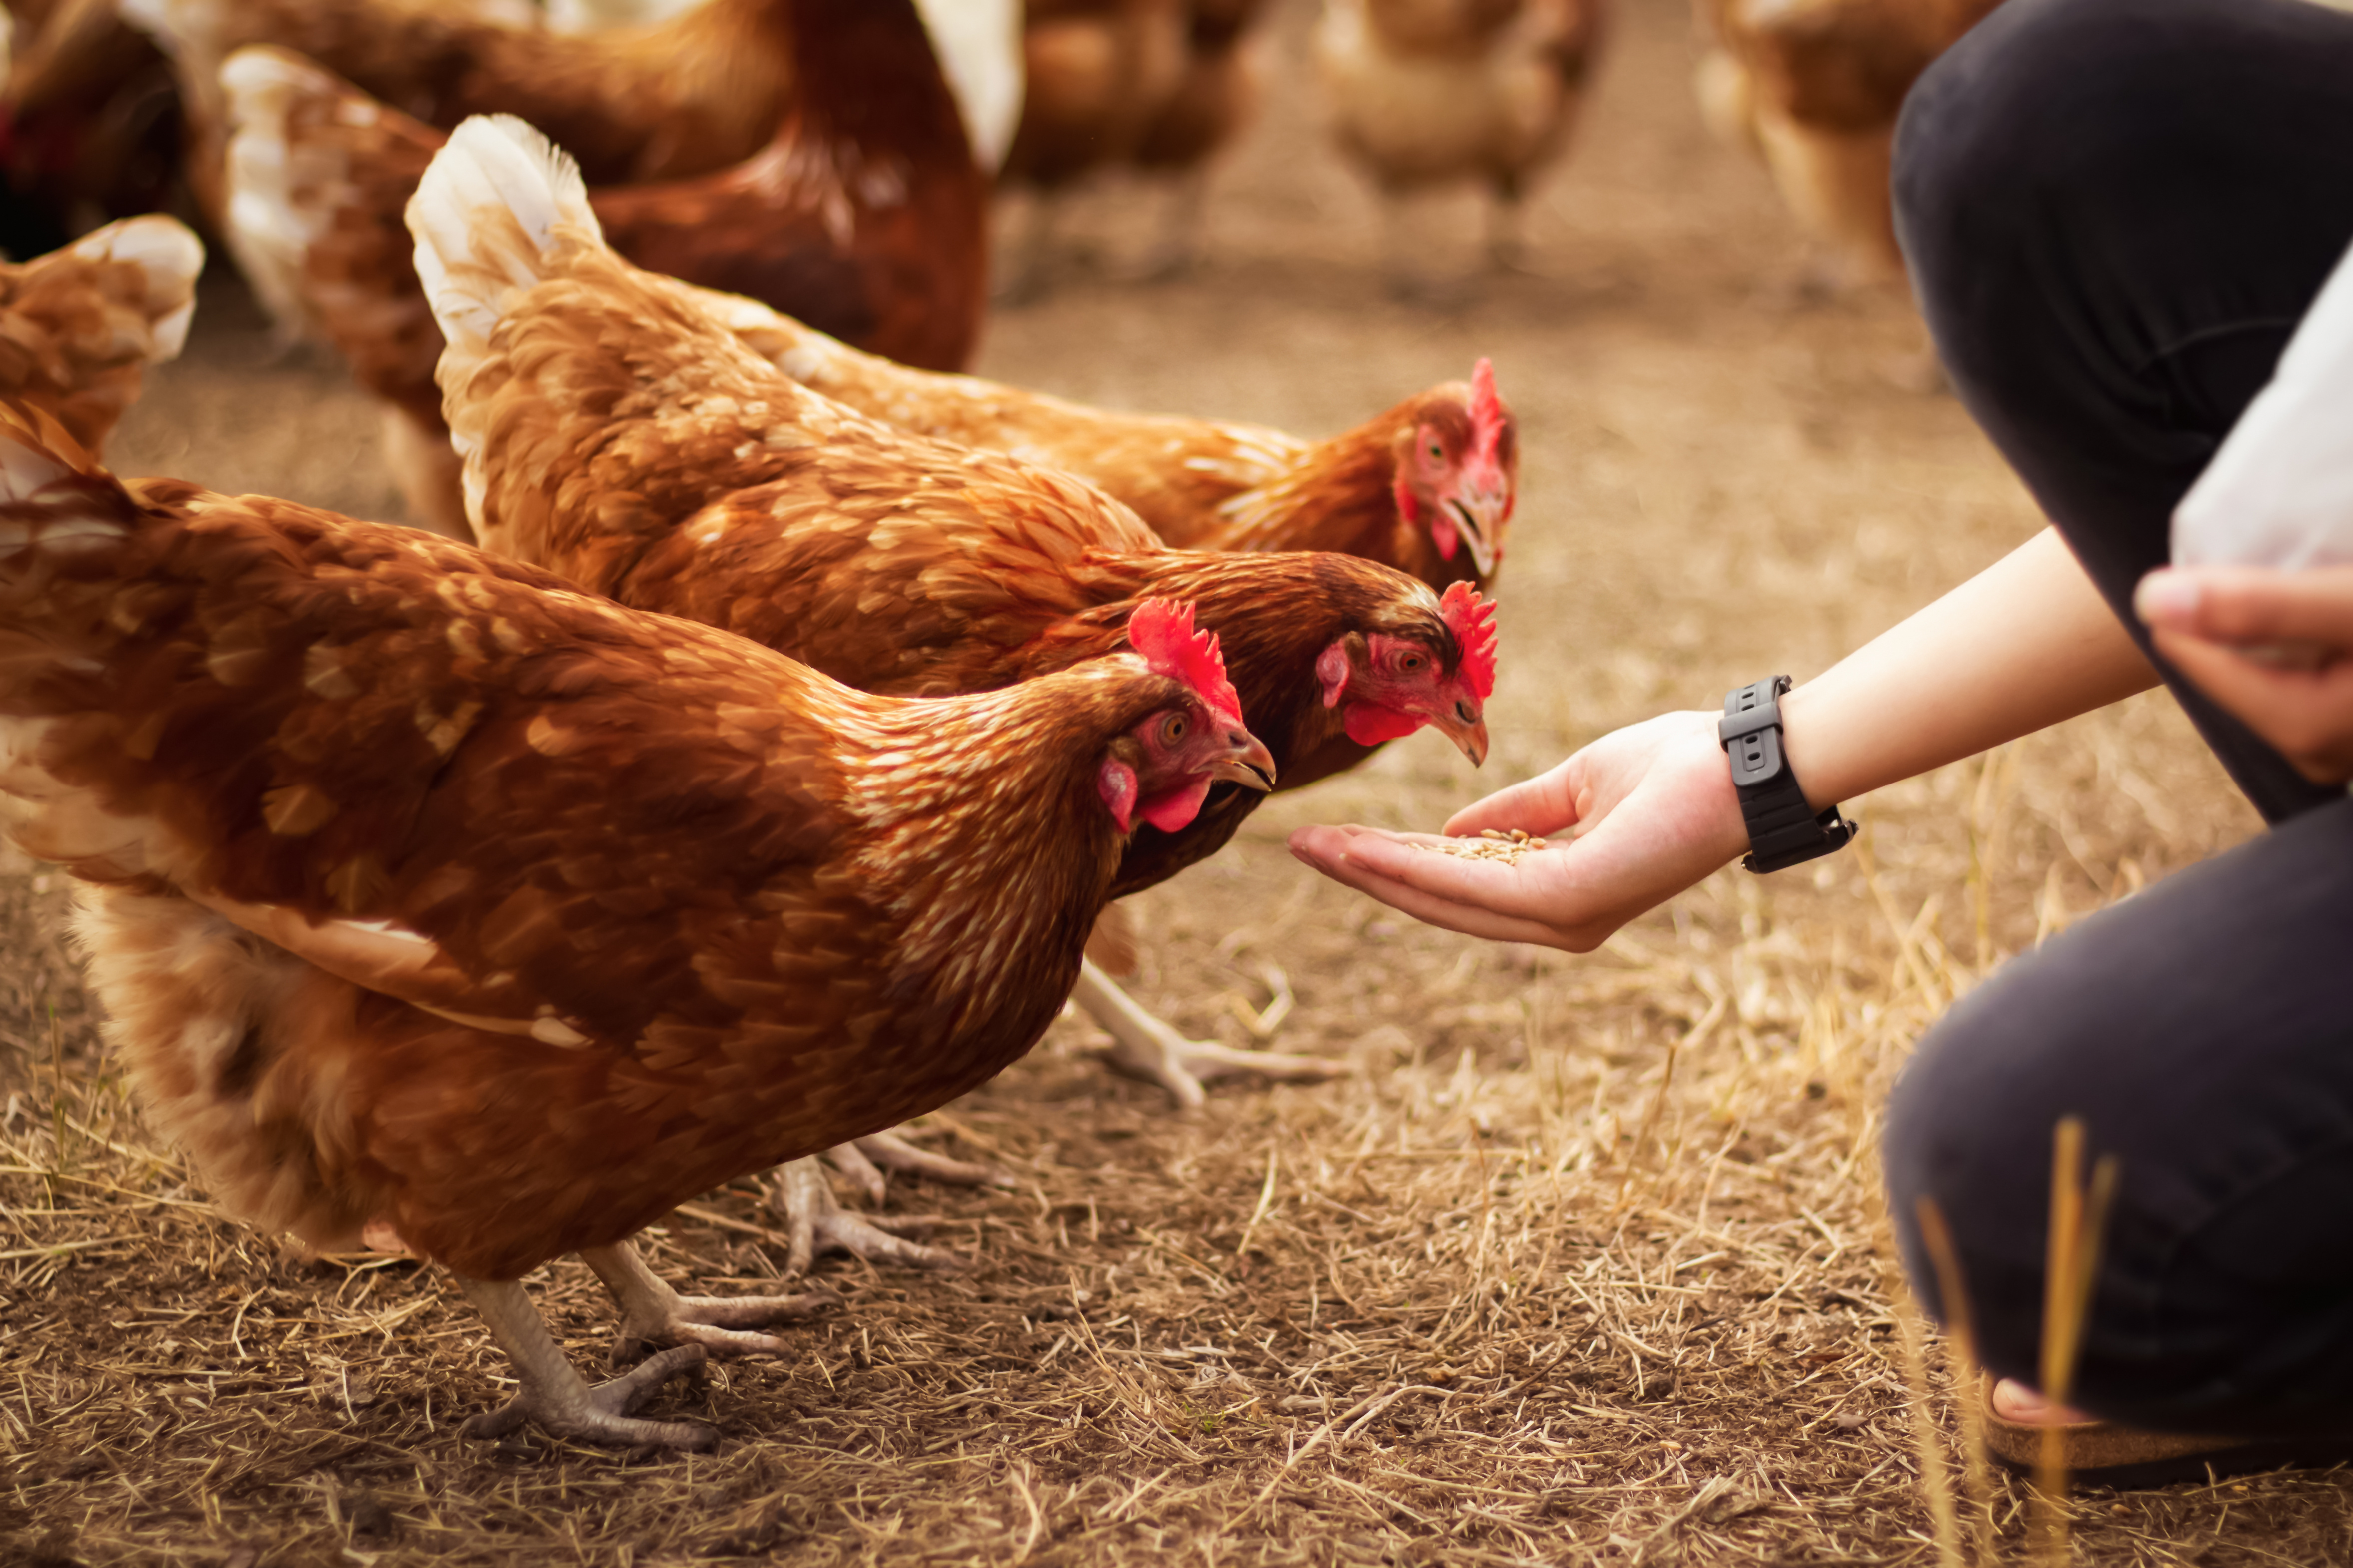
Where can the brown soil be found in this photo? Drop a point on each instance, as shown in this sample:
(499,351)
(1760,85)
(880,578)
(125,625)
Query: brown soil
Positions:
(1582,1265)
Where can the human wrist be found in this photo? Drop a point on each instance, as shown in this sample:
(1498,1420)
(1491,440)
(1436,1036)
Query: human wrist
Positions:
(1812,741)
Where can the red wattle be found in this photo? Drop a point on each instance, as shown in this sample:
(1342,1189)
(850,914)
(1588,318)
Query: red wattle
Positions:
(1441,533)
(1177,808)
(1369,723)
(1116,784)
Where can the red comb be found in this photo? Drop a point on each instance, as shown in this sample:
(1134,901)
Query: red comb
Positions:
(1162,631)
(1472,619)
(1487,414)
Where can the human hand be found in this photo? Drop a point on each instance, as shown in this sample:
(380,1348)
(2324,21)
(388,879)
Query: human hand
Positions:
(2275,647)
(1653,812)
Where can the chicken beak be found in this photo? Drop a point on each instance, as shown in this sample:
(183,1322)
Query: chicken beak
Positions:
(1479,519)
(1466,726)
(1247,762)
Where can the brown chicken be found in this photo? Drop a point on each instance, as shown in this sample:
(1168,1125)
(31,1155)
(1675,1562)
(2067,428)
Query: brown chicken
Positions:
(614,431)
(1814,85)
(1428,487)
(90,125)
(424,890)
(78,327)
(867,212)
(1157,86)
(1426,93)
(679,98)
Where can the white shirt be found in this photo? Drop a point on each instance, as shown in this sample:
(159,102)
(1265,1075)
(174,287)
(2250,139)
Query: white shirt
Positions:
(2280,490)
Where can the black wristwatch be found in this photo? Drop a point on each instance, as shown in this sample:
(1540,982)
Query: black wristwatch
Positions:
(1783,830)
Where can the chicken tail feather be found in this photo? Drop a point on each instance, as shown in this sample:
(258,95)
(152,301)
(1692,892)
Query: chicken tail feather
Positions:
(487,219)
(281,189)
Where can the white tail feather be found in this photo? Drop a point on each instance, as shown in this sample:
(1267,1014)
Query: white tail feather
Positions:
(279,200)
(494,167)
(171,256)
(485,218)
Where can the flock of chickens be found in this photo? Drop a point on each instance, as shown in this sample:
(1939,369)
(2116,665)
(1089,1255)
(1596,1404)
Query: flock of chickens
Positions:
(745,755)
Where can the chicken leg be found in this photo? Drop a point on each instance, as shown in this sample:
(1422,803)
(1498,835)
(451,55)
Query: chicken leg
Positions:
(652,1314)
(816,1223)
(1149,1048)
(557,1397)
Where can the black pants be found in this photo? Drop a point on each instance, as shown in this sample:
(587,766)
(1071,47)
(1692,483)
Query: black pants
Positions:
(2116,212)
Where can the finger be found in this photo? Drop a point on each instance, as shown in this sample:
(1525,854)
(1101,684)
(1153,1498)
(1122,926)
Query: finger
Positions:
(1541,805)
(1505,888)
(2251,604)
(2276,703)
(1471,920)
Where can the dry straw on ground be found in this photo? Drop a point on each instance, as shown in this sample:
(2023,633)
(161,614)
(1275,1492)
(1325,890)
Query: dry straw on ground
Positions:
(1582,1266)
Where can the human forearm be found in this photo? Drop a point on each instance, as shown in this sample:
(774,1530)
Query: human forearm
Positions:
(2024,644)
(1651,809)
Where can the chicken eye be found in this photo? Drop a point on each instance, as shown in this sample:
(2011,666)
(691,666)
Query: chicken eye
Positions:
(1411,663)
(1437,453)
(1172,729)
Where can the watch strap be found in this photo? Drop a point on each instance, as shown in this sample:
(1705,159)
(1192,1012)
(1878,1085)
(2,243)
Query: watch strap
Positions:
(1784,830)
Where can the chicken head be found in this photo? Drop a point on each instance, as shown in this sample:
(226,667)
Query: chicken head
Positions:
(1457,469)
(1161,770)
(1394,684)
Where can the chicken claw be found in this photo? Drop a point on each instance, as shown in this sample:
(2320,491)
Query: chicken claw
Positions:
(653,1315)
(555,1396)
(1144,1046)
(858,1160)
(815,1222)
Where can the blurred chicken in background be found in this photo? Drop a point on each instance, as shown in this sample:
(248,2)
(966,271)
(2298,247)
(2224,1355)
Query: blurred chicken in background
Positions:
(90,125)
(1813,86)
(78,327)
(1154,85)
(1428,93)
(867,212)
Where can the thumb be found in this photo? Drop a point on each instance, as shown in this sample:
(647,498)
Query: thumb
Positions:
(1538,806)
(2247,604)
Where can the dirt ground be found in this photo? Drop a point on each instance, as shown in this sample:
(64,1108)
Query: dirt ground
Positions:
(1581,1264)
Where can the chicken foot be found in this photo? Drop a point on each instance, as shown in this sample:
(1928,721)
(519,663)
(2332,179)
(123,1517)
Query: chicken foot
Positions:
(653,1314)
(1147,1047)
(863,1160)
(554,1394)
(815,1221)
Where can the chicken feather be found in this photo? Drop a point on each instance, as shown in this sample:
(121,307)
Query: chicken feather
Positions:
(615,430)
(79,326)
(423,888)
(866,212)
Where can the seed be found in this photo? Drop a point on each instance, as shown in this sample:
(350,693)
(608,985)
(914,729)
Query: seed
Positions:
(1489,846)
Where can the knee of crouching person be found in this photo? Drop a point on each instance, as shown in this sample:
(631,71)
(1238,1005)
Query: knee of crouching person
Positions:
(1969,1134)
(2006,139)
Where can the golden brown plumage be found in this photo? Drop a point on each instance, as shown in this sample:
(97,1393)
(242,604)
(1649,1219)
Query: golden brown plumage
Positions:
(681,97)
(90,124)
(1816,86)
(615,430)
(1210,483)
(79,326)
(1427,93)
(431,890)
(1157,86)
(866,213)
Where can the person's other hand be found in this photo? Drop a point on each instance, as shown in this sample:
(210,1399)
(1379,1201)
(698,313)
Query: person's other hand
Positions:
(2275,647)
(1653,812)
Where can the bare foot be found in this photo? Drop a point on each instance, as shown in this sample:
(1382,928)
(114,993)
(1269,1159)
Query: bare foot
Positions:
(2013,1401)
